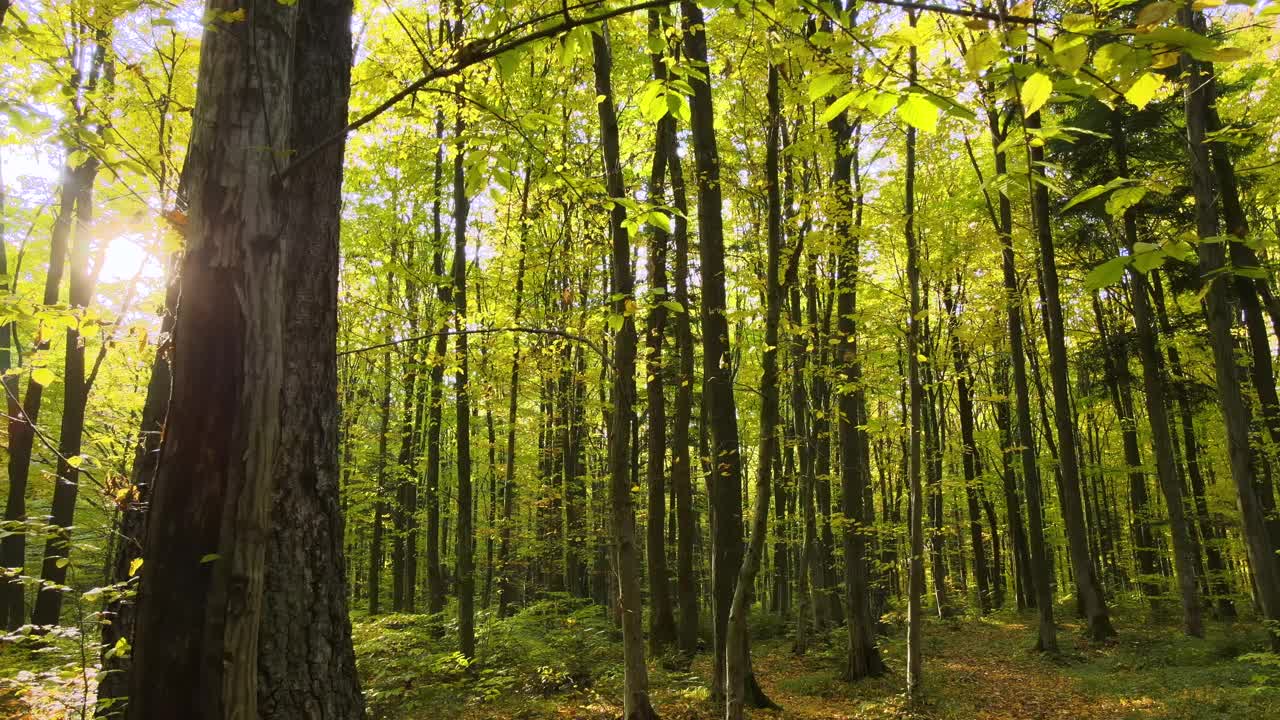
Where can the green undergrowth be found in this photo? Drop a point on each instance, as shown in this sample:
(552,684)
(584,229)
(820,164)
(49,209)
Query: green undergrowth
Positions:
(560,658)
(554,647)
(1159,672)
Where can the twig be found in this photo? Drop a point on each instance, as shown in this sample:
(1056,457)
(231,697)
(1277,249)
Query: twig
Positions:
(486,331)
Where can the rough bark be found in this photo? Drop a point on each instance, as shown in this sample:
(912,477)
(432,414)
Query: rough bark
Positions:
(252,429)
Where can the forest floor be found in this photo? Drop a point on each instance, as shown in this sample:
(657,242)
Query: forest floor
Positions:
(557,660)
(979,668)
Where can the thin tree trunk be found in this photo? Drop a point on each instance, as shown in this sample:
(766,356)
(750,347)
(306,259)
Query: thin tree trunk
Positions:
(435,400)
(915,617)
(1041,570)
(57,550)
(1115,359)
(969,452)
(636,704)
(681,468)
(662,624)
(1157,414)
(1197,95)
(1090,592)
(737,653)
(22,424)
(465,550)
(506,585)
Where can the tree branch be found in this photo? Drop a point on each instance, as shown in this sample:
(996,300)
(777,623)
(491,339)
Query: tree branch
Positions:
(474,52)
(486,331)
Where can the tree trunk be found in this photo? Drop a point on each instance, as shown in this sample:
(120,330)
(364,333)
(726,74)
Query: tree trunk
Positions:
(22,424)
(251,438)
(1115,358)
(662,624)
(969,453)
(57,550)
(1092,601)
(506,586)
(864,657)
(120,615)
(681,468)
(915,563)
(737,652)
(1041,570)
(306,664)
(1157,414)
(725,479)
(435,399)
(465,551)
(627,563)
(1210,534)
(1197,93)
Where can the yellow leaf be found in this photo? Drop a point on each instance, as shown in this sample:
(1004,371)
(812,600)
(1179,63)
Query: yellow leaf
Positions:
(919,113)
(134,566)
(43,376)
(1156,13)
(1144,89)
(1035,92)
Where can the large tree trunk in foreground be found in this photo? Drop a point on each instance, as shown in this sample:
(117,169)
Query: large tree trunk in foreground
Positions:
(244,509)
(120,614)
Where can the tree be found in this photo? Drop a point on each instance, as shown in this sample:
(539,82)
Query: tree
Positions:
(216,636)
(636,677)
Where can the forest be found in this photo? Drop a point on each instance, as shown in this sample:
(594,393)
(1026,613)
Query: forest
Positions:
(640,359)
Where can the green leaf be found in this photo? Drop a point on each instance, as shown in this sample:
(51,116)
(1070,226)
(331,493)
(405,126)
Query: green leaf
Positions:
(615,321)
(1145,262)
(1035,92)
(1069,52)
(1144,89)
(919,113)
(209,557)
(1123,199)
(841,104)
(822,85)
(1109,57)
(981,54)
(1230,54)
(1107,274)
(1085,196)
